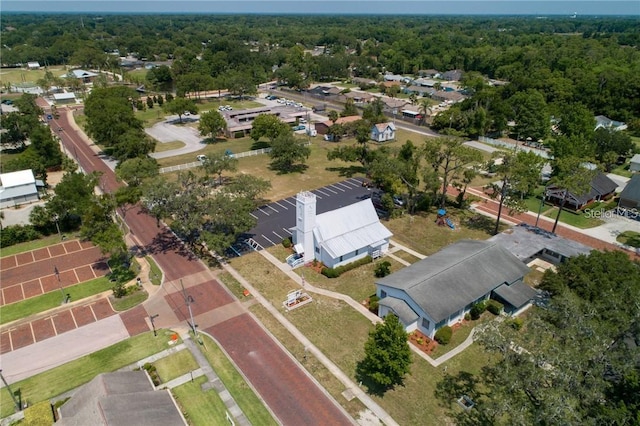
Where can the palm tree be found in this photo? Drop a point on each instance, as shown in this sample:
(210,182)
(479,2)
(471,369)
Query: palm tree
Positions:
(425,110)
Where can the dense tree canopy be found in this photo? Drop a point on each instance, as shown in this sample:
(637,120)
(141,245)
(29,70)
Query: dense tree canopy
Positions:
(577,361)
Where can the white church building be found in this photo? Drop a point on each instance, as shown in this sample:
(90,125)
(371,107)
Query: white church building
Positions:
(339,236)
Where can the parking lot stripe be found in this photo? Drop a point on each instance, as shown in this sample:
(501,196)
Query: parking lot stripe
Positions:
(287,231)
(287,201)
(344,186)
(323,193)
(337,187)
(273,208)
(262,211)
(254,216)
(265,237)
(326,188)
(281,205)
(279,237)
(354,181)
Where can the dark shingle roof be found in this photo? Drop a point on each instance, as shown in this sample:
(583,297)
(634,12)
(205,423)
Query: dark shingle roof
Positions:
(449,280)
(632,190)
(401,308)
(517,294)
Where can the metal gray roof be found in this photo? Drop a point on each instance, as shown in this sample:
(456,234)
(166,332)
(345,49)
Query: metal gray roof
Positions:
(461,273)
(632,190)
(349,228)
(526,241)
(400,308)
(517,294)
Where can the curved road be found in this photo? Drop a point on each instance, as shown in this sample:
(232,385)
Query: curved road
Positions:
(286,388)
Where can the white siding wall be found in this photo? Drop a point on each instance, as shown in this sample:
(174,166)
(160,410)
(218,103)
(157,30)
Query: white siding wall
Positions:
(347,258)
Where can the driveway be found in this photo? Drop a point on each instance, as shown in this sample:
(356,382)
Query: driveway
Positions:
(168,131)
(275,219)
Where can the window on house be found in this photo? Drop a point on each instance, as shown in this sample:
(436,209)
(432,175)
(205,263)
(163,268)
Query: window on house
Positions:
(383,294)
(426,323)
(317,249)
(340,258)
(441,324)
(356,252)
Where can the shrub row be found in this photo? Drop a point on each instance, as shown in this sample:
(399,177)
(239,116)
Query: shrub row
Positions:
(494,307)
(16,234)
(153,373)
(336,272)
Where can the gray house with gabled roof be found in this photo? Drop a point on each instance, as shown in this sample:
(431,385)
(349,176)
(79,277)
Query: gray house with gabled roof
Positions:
(440,289)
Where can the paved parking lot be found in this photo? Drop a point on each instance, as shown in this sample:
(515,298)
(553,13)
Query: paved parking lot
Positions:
(275,219)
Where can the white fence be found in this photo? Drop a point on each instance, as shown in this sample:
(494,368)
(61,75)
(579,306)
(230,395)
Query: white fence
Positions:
(495,142)
(198,163)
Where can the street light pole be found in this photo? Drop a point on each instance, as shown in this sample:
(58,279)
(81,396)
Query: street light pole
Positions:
(153,325)
(57,274)
(189,300)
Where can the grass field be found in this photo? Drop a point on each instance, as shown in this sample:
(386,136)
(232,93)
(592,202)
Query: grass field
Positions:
(407,257)
(629,238)
(579,220)
(155,274)
(168,146)
(35,305)
(200,407)
(340,332)
(211,150)
(75,373)
(244,395)
(175,365)
(32,245)
(24,76)
(129,301)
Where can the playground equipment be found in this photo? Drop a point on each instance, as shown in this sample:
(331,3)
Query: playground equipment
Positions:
(442,219)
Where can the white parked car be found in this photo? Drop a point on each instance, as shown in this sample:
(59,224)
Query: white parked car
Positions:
(202,158)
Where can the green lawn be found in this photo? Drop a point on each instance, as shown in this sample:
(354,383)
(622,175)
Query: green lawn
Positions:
(69,376)
(629,238)
(21,76)
(244,396)
(129,301)
(155,274)
(213,149)
(323,322)
(579,220)
(460,334)
(200,407)
(31,245)
(406,256)
(175,365)
(35,305)
(233,285)
(168,146)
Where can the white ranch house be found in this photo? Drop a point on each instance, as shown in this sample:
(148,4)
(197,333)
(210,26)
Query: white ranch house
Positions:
(339,236)
(440,289)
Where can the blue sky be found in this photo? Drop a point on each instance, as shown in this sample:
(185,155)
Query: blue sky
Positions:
(429,7)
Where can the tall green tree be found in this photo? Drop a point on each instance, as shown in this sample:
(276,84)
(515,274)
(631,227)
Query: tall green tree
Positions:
(570,176)
(530,114)
(268,125)
(179,106)
(288,153)
(448,156)
(575,362)
(211,124)
(519,172)
(219,164)
(387,357)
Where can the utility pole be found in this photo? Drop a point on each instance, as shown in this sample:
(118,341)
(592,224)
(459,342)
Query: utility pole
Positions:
(13,396)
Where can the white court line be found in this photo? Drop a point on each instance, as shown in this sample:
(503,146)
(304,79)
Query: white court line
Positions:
(273,208)
(255,217)
(287,200)
(277,235)
(287,231)
(326,188)
(281,205)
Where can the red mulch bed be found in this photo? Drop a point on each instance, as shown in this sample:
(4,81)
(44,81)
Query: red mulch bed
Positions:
(427,345)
